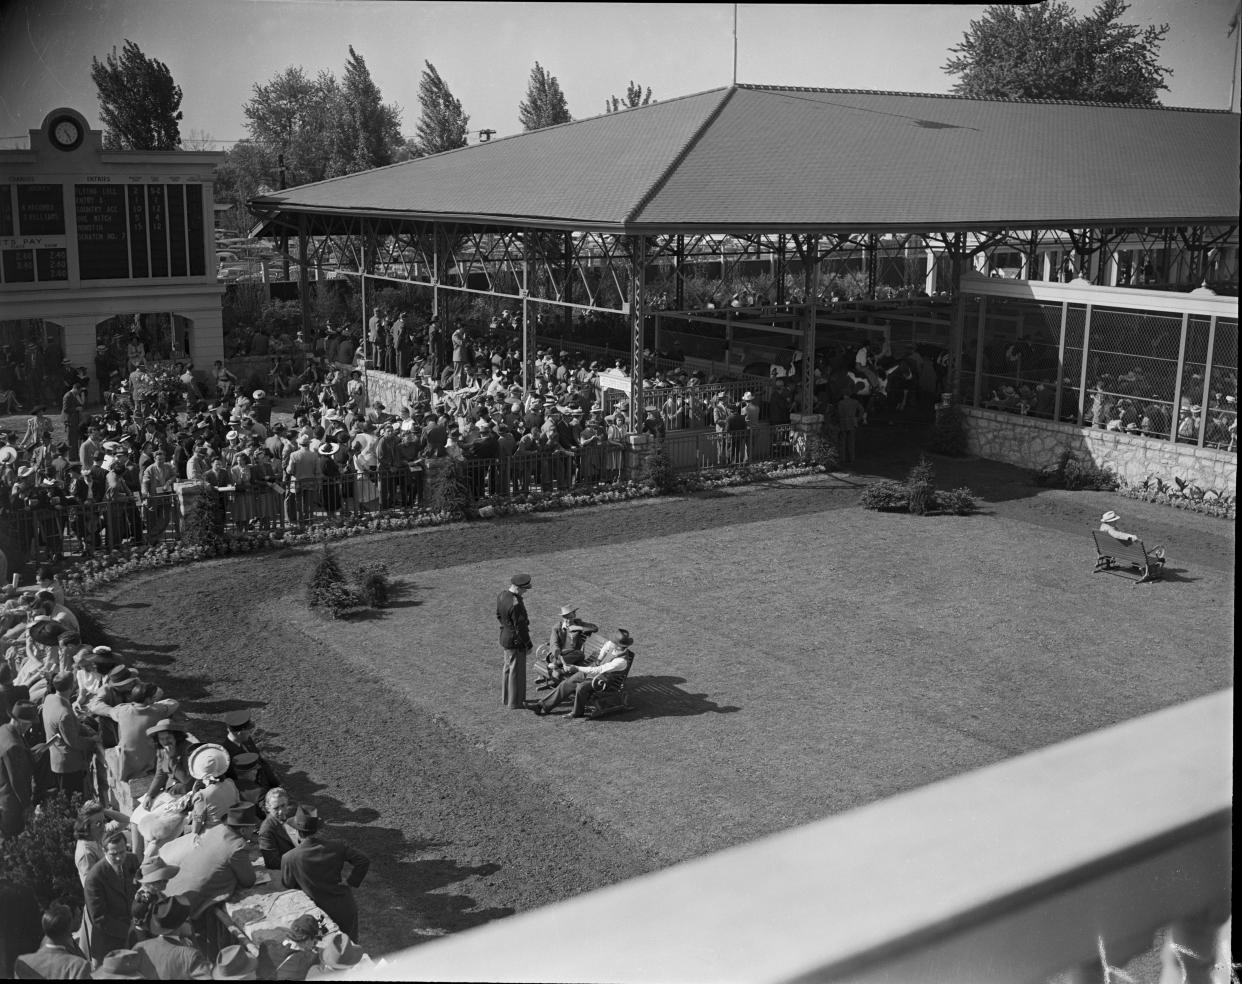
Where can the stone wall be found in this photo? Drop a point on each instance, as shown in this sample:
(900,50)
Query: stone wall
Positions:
(1031,442)
(389,389)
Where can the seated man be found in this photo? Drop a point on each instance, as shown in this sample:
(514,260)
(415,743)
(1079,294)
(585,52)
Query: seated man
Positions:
(568,637)
(1106,526)
(614,660)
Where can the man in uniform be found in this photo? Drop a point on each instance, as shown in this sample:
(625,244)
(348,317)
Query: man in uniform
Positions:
(514,640)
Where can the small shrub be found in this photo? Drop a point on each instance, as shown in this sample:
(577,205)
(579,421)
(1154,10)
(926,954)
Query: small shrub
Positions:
(658,471)
(920,487)
(201,527)
(448,490)
(948,436)
(959,502)
(325,579)
(820,452)
(1073,473)
(41,856)
(340,600)
(885,497)
(373,584)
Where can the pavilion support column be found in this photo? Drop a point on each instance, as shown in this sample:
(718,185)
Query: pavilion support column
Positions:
(872,264)
(303,278)
(528,328)
(779,275)
(810,267)
(567,270)
(957,329)
(638,273)
(679,268)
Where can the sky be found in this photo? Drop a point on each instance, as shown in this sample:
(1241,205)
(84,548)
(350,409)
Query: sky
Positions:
(217,49)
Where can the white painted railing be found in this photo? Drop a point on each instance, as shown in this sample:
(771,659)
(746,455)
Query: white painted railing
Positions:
(1011,873)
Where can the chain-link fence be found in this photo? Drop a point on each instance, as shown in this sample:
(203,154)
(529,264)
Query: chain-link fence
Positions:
(1156,374)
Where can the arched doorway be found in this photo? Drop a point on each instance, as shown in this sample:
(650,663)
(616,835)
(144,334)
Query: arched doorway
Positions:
(32,355)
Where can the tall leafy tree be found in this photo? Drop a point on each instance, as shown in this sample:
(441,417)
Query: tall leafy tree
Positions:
(139,103)
(367,130)
(442,124)
(287,117)
(544,104)
(1046,51)
(634,97)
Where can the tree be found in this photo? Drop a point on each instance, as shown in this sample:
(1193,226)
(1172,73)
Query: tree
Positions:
(286,117)
(544,104)
(634,97)
(442,125)
(1045,51)
(139,103)
(247,170)
(367,130)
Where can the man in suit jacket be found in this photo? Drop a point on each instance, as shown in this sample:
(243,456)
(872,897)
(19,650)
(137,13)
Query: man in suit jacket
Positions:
(109,890)
(169,956)
(69,746)
(316,865)
(219,864)
(16,768)
(58,957)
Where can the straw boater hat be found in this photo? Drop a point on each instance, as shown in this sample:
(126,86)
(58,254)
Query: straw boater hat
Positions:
(208,760)
(1109,517)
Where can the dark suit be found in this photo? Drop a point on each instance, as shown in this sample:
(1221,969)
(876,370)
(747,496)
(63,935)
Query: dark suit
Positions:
(274,841)
(515,641)
(109,898)
(52,963)
(171,958)
(315,867)
(16,780)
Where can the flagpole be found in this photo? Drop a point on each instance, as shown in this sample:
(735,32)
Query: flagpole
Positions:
(735,44)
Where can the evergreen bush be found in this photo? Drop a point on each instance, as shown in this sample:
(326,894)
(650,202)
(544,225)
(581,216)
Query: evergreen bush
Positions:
(658,471)
(1074,473)
(886,497)
(325,577)
(821,452)
(920,488)
(447,488)
(960,501)
(948,436)
(373,584)
(41,856)
(202,527)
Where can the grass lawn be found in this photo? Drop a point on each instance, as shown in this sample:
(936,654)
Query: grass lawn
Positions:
(796,656)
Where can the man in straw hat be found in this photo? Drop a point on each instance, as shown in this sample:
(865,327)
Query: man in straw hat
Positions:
(316,866)
(514,640)
(614,658)
(169,955)
(1107,522)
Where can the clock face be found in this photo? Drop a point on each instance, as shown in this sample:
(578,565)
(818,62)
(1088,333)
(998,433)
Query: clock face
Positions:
(66,133)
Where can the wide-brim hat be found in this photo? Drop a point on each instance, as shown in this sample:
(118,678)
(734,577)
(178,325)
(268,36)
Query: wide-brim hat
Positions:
(45,630)
(242,815)
(159,873)
(621,638)
(748,395)
(338,952)
(8,455)
(329,449)
(167,724)
(305,820)
(567,610)
(208,760)
(259,394)
(24,710)
(169,913)
(26,471)
(235,963)
(1109,517)
(119,965)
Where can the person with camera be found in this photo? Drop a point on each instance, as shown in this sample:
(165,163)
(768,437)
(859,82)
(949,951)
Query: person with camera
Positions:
(564,649)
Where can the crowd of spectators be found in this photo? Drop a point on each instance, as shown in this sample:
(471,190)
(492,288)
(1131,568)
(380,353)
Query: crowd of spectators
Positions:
(82,721)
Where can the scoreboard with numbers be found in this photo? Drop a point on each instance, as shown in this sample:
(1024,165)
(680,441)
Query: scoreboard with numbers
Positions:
(132,230)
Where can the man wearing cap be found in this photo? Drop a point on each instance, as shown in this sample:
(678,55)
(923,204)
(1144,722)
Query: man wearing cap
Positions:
(168,955)
(316,864)
(16,768)
(70,747)
(58,958)
(514,640)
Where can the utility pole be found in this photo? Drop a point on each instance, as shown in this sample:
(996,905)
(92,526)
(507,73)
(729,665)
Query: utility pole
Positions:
(735,44)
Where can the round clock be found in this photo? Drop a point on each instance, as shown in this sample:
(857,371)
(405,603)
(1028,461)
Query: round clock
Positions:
(66,133)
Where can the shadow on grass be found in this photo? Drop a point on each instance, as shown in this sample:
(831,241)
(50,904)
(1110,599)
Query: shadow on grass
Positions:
(408,891)
(660,696)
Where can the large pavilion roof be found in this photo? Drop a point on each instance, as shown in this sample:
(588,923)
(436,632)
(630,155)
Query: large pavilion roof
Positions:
(764,158)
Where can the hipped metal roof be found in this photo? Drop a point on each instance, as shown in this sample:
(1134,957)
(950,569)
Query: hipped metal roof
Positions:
(762,158)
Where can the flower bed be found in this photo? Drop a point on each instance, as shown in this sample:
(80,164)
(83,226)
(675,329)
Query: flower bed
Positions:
(89,574)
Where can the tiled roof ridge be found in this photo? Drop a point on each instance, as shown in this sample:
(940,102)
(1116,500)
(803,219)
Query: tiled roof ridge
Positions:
(680,156)
(953,95)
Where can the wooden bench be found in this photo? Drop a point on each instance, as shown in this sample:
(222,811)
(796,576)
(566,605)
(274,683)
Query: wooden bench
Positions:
(1117,556)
